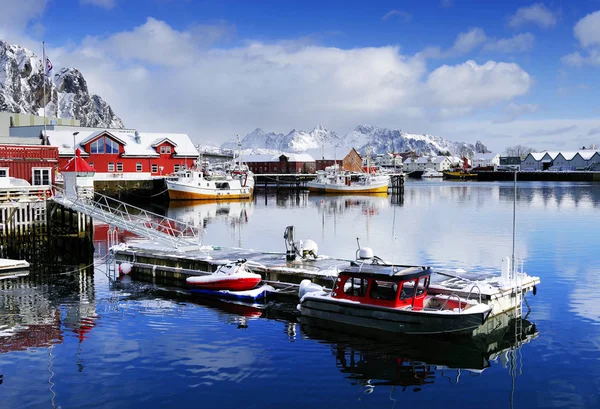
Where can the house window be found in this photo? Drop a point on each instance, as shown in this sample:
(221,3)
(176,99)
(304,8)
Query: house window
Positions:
(104,145)
(41,176)
(138,166)
(154,168)
(167,149)
(111,146)
(162,149)
(176,168)
(111,166)
(119,166)
(3,172)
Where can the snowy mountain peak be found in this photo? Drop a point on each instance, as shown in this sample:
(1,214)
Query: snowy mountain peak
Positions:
(380,140)
(67,95)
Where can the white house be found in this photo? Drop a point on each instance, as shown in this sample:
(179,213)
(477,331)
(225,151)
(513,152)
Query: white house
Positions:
(442,163)
(483,160)
(409,165)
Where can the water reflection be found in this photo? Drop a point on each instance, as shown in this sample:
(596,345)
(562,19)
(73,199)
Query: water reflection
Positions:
(412,362)
(368,205)
(200,214)
(35,313)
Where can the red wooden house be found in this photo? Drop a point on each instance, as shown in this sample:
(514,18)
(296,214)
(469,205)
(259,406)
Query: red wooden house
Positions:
(34,163)
(126,153)
(284,163)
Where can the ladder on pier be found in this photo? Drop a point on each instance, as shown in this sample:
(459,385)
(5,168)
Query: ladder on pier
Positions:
(154,227)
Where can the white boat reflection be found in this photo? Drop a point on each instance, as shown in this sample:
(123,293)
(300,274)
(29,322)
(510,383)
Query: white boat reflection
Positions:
(367,204)
(200,214)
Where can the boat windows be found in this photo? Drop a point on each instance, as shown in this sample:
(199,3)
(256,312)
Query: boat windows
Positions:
(422,286)
(222,185)
(408,290)
(355,287)
(383,290)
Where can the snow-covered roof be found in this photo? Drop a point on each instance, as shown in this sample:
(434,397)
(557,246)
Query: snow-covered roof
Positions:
(440,159)
(423,159)
(485,156)
(19,140)
(537,155)
(292,157)
(182,142)
(162,140)
(587,154)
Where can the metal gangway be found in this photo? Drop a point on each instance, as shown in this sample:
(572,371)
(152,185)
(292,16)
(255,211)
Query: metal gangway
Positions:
(159,229)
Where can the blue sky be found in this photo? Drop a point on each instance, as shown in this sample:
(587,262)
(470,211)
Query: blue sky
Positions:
(504,72)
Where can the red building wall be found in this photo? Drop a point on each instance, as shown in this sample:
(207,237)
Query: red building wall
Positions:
(21,160)
(282,167)
(101,161)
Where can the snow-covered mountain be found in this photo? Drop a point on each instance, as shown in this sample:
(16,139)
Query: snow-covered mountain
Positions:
(21,90)
(294,141)
(379,140)
(382,140)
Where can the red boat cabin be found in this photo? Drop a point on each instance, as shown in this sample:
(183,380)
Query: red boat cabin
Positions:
(386,286)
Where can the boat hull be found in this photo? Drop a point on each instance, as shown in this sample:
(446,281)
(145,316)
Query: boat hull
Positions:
(391,320)
(185,192)
(343,189)
(460,175)
(237,284)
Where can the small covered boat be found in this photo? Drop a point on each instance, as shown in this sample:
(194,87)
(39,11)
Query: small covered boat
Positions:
(432,173)
(231,276)
(391,298)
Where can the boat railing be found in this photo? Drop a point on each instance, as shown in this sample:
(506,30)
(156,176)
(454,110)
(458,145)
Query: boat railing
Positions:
(475,286)
(448,299)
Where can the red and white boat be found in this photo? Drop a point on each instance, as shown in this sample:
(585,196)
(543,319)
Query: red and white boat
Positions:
(231,276)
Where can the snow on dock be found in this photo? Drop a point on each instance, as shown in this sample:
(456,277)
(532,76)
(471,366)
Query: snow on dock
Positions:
(172,268)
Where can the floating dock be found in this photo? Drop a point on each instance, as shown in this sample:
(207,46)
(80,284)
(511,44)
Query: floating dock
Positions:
(172,268)
(13,268)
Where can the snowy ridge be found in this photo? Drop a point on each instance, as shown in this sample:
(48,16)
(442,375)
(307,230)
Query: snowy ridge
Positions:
(21,90)
(379,140)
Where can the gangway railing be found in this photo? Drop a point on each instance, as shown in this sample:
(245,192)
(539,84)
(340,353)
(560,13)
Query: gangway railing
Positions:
(159,229)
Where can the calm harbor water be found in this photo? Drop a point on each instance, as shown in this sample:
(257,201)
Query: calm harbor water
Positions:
(78,339)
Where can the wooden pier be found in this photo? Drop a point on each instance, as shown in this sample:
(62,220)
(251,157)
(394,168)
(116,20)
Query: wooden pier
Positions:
(172,268)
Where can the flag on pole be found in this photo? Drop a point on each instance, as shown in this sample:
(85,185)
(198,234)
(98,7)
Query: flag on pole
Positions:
(48,67)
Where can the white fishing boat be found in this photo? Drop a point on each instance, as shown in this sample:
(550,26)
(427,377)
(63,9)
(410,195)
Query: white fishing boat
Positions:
(195,184)
(432,173)
(332,180)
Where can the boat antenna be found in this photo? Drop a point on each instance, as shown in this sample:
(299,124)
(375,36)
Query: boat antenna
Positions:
(358,242)
(239,144)
(514,224)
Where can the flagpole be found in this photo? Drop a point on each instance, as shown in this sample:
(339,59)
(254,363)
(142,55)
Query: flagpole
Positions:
(44,79)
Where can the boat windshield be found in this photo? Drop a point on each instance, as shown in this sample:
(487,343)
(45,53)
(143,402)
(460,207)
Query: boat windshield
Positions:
(408,290)
(383,290)
(355,287)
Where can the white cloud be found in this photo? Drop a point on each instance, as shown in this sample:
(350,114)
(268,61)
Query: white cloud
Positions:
(107,4)
(162,79)
(464,43)
(535,14)
(513,111)
(470,84)
(399,14)
(14,19)
(518,43)
(475,37)
(587,30)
